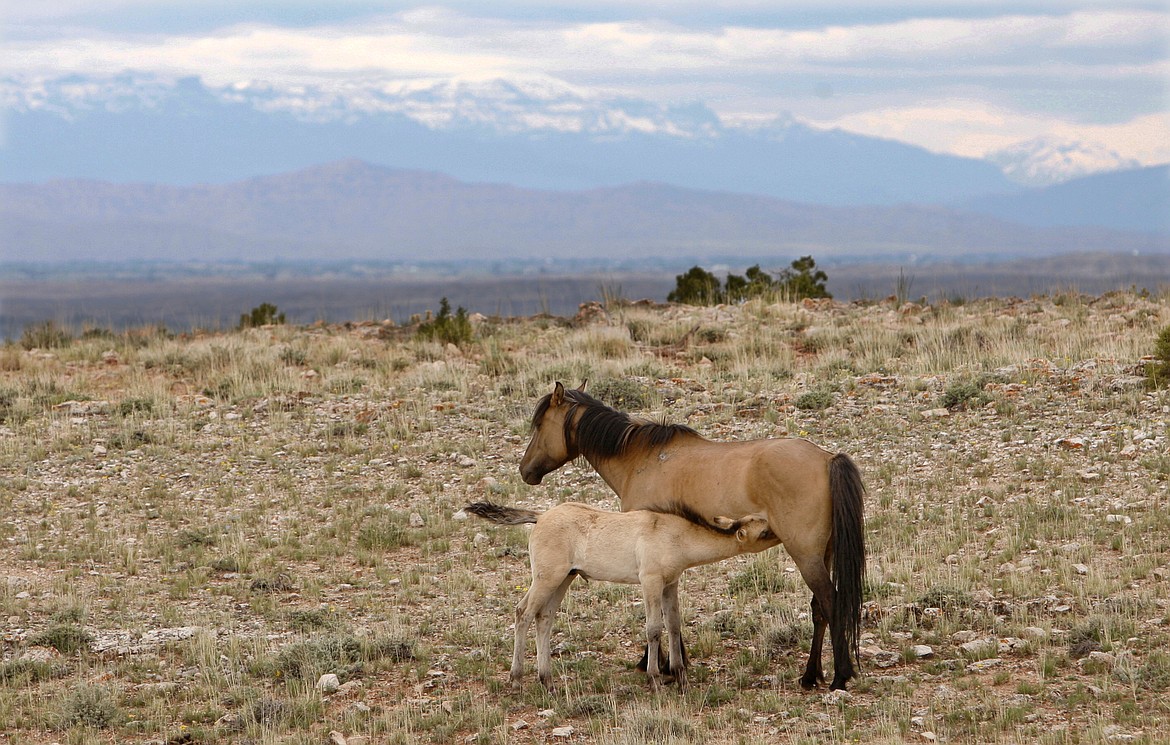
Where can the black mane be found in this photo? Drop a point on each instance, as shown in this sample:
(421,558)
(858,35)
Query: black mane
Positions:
(604,432)
(690,515)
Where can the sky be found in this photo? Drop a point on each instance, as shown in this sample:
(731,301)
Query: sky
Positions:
(964,77)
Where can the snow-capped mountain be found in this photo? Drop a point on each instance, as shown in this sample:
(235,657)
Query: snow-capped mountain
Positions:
(532,133)
(1044,161)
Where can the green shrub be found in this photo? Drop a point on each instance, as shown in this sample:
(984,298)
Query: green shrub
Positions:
(66,638)
(968,394)
(817,400)
(89,706)
(264,314)
(621,393)
(1158,371)
(47,335)
(446,327)
(800,280)
(696,287)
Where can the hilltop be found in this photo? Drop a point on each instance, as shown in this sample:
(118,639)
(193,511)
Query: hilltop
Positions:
(199,526)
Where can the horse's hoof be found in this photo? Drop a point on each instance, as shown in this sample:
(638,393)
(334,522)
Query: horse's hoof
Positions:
(808,683)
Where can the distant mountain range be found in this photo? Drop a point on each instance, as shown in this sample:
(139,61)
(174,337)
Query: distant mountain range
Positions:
(535,136)
(354,210)
(141,168)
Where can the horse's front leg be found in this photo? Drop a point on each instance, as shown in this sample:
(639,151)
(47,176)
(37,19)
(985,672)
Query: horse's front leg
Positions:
(652,591)
(663,660)
(544,624)
(673,614)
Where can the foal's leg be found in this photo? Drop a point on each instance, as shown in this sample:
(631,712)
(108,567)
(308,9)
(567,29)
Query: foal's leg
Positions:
(816,576)
(544,623)
(525,612)
(670,609)
(652,594)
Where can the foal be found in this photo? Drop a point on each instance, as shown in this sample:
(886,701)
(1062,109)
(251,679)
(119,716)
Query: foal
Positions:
(638,547)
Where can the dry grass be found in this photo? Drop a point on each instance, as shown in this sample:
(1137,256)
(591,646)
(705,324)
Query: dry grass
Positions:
(196,528)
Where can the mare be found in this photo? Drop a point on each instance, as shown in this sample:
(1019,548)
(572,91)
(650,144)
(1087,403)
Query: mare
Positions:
(812,498)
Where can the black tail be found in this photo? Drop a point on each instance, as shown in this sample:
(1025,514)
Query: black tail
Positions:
(848,494)
(502,515)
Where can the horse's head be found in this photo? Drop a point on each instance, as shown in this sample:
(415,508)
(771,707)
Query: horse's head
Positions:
(548,449)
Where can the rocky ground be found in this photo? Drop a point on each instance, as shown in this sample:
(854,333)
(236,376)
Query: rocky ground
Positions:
(257,536)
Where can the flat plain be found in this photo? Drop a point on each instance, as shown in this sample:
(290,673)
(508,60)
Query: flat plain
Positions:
(200,529)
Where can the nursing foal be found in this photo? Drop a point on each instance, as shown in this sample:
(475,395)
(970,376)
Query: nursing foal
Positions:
(637,547)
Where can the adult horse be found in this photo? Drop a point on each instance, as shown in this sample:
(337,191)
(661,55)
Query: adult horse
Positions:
(811,497)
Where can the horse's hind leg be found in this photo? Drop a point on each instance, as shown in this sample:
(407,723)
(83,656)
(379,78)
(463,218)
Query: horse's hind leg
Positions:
(816,576)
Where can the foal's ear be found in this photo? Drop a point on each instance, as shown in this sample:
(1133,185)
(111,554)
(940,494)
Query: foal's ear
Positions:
(558,395)
(741,535)
(721,522)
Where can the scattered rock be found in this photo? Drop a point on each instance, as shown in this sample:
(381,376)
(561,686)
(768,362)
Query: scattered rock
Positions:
(328,683)
(416,520)
(980,647)
(922,651)
(566,731)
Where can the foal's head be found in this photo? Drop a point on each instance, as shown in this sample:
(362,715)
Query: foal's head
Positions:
(549,448)
(752,532)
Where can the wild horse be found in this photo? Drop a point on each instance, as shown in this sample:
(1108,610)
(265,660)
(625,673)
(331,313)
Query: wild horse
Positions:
(813,499)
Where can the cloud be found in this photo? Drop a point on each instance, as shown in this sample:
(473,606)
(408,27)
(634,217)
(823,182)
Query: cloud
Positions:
(974,129)
(971,82)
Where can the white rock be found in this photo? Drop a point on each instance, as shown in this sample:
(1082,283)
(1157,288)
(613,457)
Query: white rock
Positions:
(461,515)
(921,651)
(1123,519)
(416,520)
(328,683)
(980,647)
(1080,569)
(566,731)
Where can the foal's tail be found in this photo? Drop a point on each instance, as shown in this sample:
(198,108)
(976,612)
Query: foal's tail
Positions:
(502,515)
(847,493)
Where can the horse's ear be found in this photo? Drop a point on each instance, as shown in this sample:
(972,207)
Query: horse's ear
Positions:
(558,395)
(741,535)
(721,522)
(582,386)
